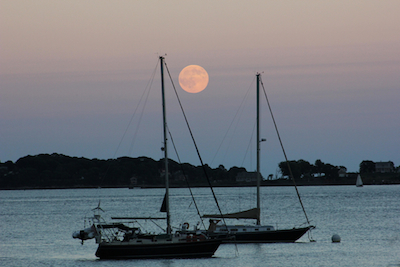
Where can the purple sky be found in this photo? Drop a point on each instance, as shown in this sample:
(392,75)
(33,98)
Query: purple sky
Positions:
(72,73)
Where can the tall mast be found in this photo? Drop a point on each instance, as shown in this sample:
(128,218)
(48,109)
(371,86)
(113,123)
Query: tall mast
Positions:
(165,146)
(258,148)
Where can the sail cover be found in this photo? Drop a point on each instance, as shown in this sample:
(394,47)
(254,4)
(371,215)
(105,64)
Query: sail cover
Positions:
(247,214)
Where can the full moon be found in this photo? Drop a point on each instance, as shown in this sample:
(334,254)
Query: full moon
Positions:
(193,79)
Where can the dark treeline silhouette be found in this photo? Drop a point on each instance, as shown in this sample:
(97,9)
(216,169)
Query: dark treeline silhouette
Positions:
(60,171)
(325,173)
(304,169)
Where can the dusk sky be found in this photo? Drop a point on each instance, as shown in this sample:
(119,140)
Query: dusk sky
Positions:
(72,74)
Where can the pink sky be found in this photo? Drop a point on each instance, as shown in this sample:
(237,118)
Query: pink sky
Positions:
(72,72)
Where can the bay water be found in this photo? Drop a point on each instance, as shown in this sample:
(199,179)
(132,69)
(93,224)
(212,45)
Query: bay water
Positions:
(37,225)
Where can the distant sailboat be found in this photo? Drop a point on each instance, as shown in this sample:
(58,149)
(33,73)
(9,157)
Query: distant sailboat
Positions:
(359,182)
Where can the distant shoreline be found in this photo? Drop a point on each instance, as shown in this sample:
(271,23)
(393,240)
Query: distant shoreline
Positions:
(200,186)
(56,171)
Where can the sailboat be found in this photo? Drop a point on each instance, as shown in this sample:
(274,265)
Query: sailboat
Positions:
(359,182)
(253,233)
(119,241)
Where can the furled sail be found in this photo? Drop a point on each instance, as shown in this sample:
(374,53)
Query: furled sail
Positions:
(247,214)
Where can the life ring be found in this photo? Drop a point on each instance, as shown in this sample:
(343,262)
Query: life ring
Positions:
(186,224)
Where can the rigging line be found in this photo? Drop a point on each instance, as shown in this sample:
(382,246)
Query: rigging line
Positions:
(195,145)
(148,86)
(158,225)
(245,155)
(284,153)
(241,106)
(134,113)
(249,145)
(130,122)
(186,179)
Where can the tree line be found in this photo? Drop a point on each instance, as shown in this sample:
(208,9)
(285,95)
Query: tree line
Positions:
(304,170)
(60,171)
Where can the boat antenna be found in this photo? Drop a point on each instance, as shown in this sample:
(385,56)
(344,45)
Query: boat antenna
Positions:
(284,153)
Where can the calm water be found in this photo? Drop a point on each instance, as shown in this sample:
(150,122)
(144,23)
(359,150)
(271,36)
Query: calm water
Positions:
(36,225)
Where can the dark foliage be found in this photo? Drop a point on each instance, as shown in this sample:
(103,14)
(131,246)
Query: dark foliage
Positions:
(60,171)
(367,166)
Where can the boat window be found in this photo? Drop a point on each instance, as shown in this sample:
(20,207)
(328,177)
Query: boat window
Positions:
(255,229)
(234,230)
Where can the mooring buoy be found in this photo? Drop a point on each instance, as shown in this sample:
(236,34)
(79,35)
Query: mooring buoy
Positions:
(336,238)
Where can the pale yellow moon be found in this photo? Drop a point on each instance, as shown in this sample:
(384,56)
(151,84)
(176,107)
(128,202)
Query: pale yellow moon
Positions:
(193,79)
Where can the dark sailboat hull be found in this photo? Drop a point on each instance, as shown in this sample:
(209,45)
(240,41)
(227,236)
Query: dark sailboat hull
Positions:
(274,236)
(121,250)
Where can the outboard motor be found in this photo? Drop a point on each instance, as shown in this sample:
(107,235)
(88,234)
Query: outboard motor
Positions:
(85,234)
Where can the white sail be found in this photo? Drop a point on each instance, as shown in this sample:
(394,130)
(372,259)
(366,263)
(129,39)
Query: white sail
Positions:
(359,182)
